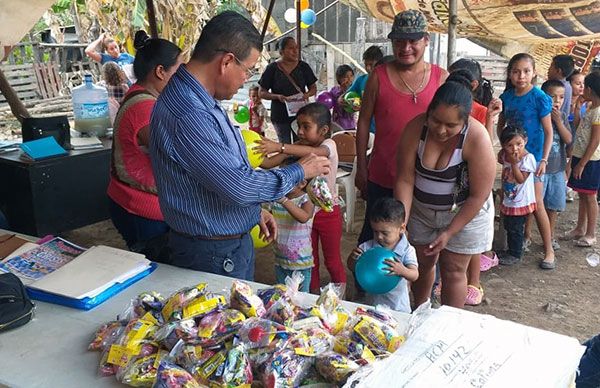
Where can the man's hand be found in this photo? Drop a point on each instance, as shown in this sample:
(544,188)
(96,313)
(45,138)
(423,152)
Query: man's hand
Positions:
(268,226)
(314,165)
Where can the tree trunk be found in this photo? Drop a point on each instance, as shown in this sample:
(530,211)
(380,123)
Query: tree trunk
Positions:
(16,106)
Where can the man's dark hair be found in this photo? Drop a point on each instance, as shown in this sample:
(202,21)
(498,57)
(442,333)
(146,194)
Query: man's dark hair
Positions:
(564,63)
(373,53)
(552,83)
(387,209)
(228,32)
(318,112)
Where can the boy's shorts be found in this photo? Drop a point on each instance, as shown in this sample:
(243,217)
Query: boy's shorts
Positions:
(555,190)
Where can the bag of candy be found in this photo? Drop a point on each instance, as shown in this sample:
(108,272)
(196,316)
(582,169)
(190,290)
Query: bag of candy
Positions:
(220,324)
(168,334)
(173,307)
(335,368)
(243,299)
(146,302)
(171,375)
(271,295)
(107,334)
(319,193)
(236,370)
(379,337)
(285,369)
(328,307)
(311,342)
(282,311)
(354,350)
(141,372)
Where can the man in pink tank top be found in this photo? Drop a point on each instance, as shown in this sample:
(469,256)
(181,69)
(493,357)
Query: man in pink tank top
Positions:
(395,93)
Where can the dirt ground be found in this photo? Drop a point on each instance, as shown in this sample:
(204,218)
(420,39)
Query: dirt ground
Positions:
(562,300)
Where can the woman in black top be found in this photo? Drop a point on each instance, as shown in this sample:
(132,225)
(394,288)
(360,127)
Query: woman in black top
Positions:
(286,77)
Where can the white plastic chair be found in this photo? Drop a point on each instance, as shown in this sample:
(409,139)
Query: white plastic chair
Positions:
(346,179)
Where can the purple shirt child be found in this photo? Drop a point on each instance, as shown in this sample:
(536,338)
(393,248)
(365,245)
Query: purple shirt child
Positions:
(340,116)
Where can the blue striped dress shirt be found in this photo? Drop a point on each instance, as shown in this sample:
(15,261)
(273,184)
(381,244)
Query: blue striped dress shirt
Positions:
(206,186)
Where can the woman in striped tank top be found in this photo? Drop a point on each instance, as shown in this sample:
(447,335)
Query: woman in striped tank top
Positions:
(446,170)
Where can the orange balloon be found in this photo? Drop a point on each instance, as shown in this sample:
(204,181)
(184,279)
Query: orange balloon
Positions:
(304,4)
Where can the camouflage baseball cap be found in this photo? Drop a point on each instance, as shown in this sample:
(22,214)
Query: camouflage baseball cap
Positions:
(409,24)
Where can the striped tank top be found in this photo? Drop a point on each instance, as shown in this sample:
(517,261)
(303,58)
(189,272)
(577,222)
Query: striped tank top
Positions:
(441,189)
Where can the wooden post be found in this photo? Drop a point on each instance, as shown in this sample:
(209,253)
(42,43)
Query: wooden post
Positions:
(452,22)
(267,19)
(152,18)
(298,30)
(16,106)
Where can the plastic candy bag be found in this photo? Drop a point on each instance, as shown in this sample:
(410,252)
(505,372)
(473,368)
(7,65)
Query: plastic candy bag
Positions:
(107,334)
(243,299)
(170,375)
(335,368)
(285,369)
(173,307)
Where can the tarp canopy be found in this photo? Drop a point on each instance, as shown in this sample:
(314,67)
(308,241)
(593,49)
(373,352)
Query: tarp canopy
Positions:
(541,28)
(17,17)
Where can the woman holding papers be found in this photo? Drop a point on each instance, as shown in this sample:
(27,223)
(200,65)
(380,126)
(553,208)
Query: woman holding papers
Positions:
(288,82)
(134,206)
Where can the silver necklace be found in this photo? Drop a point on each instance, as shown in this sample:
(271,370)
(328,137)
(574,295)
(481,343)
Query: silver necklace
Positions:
(418,89)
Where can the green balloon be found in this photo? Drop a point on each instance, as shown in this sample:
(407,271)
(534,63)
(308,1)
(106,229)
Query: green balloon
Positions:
(242,115)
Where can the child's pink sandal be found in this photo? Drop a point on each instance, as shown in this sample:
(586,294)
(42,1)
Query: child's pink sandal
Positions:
(487,262)
(474,295)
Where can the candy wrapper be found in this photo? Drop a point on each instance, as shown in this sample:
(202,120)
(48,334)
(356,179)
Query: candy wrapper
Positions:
(173,308)
(319,193)
(244,299)
(379,337)
(146,302)
(170,375)
(107,334)
(335,368)
(285,369)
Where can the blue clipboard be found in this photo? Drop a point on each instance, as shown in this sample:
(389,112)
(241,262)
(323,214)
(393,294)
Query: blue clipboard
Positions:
(89,303)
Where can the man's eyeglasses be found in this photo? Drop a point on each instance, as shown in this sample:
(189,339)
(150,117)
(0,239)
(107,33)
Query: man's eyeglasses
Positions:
(249,72)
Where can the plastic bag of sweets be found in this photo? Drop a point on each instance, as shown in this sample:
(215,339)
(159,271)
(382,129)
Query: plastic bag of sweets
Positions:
(168,334)
(171,375)
(335,368)
(271,295)
(285,369)
(173,307)
(282,311)
(354,350)
(380,312)
(243,299)
(379,337)
(328,307)
(220,324)
(203,305)
(236,371)
(142,371)
(262,333)
(319,193)
(107,334)
(146,302)
(311,342)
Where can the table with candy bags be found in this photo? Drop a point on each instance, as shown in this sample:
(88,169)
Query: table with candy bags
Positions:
(273,337)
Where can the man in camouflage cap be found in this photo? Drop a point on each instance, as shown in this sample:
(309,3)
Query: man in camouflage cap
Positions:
(396,92)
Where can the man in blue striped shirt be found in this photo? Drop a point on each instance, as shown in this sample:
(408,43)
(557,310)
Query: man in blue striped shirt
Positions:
(208,193)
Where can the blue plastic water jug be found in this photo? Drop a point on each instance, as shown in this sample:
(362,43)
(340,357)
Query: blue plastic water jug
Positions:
(90,108)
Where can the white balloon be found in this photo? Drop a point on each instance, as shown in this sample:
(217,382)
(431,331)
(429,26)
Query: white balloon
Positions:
(290,15)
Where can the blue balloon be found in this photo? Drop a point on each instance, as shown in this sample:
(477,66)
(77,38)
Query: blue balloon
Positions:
(372,272)
(308,16)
